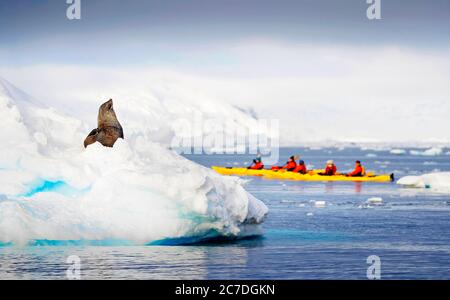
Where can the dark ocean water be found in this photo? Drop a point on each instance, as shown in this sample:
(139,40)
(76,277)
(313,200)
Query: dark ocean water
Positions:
(409,231)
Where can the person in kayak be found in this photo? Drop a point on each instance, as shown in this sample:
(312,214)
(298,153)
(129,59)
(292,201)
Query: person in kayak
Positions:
(330,169)
(301,167)
(358,171)
(289,166)
(257,164)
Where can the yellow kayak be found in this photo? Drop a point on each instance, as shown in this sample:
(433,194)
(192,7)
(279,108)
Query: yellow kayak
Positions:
(311,176)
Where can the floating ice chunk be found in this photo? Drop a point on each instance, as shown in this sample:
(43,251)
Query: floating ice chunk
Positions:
(429,152)
(319,204)
(310,214)
(398,151)
(371,155)
(375,200)
(364,206)
(412,181)
(433,151)
(436,181)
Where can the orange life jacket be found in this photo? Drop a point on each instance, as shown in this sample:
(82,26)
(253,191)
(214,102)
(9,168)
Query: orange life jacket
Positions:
(359,171)
(257,166)
(290,165)
(300,169)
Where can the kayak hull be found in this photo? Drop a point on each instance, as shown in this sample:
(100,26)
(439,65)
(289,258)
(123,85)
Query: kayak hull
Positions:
(312,176)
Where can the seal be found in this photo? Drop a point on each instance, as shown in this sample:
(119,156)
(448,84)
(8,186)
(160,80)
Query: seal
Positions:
(108,128)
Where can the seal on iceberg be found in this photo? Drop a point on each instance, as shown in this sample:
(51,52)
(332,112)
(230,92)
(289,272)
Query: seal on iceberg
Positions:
(109,128)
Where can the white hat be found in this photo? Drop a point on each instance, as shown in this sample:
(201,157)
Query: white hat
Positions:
(330,162)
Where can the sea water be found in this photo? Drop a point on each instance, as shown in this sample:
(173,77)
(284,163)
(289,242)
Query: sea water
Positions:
(314,230)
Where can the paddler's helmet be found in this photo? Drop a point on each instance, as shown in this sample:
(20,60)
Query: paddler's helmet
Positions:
(301,162)
(330,162)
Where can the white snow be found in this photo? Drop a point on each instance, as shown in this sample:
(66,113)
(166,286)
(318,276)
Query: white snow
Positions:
(439,181)
(139,191)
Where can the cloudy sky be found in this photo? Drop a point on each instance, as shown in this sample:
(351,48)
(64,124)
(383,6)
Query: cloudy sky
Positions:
(320,66)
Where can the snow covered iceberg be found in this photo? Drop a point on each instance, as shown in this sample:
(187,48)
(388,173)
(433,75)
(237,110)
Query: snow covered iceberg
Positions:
(139,192)
(436,181)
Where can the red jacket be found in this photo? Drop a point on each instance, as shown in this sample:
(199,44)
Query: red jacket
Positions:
(301,169)
(330,170)
(357,172)
(257,166)
(290,166)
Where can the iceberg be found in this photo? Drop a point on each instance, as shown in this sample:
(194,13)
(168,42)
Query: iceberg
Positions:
(439,181)
(139,192)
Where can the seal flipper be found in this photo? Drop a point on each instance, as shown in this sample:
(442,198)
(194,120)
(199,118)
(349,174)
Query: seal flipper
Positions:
(93,132)
(91,138)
